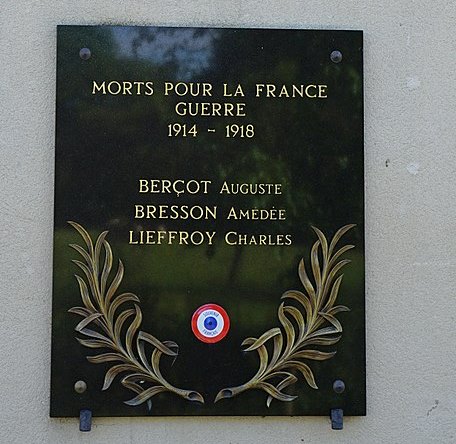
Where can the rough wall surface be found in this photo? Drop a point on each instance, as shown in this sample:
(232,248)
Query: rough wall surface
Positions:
(410,112)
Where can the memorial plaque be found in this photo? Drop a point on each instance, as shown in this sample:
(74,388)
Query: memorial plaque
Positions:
(209,222)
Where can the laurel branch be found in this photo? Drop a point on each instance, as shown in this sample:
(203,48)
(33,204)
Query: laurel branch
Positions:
(313,324)
(127,347)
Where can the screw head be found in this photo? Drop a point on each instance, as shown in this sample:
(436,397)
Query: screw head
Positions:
(336,56)
(339,386)
(85,53)
(80,386)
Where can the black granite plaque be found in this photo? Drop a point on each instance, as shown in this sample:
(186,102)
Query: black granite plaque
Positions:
(209,222)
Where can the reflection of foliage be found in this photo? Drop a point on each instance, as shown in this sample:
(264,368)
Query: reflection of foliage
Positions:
(312,147)
(303,328)
(100,306)
(187,51)
(316,145)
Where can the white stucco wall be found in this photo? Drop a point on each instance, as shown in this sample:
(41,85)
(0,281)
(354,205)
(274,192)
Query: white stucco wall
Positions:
(410,99)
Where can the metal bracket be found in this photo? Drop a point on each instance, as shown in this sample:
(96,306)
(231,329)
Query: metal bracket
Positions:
(337,419)
(85,420)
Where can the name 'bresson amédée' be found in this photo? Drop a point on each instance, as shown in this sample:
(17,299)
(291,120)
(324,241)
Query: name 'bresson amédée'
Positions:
(198,212)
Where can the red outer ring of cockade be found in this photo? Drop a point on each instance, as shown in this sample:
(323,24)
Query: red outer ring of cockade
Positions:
(226,323)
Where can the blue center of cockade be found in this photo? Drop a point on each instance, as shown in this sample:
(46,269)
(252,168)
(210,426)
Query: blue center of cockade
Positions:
(210,323)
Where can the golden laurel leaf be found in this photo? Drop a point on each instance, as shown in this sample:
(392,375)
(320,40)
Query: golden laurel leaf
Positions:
(127,354)
(300,328)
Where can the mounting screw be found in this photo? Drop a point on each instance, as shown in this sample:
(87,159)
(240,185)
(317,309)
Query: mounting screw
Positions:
(80,386)
(85,53)
(339,386)
(336,56)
